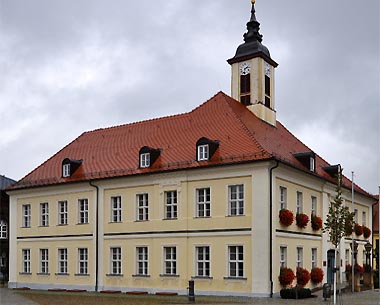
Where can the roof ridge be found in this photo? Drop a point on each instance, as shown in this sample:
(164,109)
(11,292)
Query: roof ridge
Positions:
(244,126)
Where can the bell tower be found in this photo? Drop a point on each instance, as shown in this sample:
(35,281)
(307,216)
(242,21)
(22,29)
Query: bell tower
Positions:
(252,69)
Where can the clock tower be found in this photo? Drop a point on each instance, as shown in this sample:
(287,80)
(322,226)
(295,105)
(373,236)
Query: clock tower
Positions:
(252,81)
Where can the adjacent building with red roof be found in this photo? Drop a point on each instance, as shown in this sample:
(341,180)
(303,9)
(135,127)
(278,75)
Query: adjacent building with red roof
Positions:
(152,205)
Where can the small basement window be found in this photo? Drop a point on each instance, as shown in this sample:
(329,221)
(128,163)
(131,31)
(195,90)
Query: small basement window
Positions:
(206,149)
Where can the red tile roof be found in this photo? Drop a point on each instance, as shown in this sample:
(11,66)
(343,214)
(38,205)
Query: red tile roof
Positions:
(114,152)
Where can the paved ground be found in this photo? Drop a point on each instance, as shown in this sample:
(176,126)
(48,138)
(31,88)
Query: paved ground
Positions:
(372,297)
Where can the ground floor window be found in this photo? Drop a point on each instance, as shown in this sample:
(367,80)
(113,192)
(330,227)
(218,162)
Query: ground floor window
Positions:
(235,261)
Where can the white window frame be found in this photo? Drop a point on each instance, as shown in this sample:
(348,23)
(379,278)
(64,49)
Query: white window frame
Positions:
(171,205)
(26,216)
(142,207)
(66,170)
(203,152)
(44,214)
(236,196)
(115,261)
(203,202)
(299,257)
(170,260)
(26,261)
(145,160)
(299,202)
(142,261)
(283,256)
(314,257)
(62,212)
(83,261)
(356,216)
(314,205)
(83,211)
(62,261)
(116,209)
(3,230)
(312,164)
(283,202)
(236,261)
(203,261)
(364,218)
(44,261)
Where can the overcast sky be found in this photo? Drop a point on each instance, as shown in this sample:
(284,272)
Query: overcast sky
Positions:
(69,66)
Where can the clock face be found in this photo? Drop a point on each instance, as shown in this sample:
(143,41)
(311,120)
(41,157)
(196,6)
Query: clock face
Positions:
(267,69)
(245,68)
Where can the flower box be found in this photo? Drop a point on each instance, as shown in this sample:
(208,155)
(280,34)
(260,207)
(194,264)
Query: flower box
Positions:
(286,217)
(358,229)
(316,275)
(316,223)
(303,276)
(366,232)
(286,276)
(302,220)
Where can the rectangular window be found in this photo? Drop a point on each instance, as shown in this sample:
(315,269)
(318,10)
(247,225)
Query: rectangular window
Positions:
(314,258)
(3,230)
(83,211)
(283,256)
(62,212)
(44,212)
(203,153)
(313,205)
(26,215)
(115,255)
(299,258)
(203,202)
(145,160)
(116,209)
(44,261)
(142,207)
(364,258)
(283,197)
(171,208)
(142,261)
(356,216)
(26,261)
(299,207)
(170,260)
(364,218)
(235,261)
(312,164)
(62,261)
(202,261)
(267,91)
(236,200)
(66,170)
(83,261)
(347,257)
(245,83)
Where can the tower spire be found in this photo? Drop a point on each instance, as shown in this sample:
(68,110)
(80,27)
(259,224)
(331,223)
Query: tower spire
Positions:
(253,27)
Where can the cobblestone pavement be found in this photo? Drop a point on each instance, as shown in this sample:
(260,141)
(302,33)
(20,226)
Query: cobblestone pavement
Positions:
(370,297)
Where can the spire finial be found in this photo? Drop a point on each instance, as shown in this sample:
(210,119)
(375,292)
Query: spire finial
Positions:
(253,27)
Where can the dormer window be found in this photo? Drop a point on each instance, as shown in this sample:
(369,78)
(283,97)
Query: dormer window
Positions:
(206,149)
(312,164)
(145,160)
(69,166)
(307,159)
(147,156)
(332,170)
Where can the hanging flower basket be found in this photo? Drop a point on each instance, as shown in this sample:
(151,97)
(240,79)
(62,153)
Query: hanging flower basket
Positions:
(316,275)
(358,269)
(286,217)
(358,229)
(303,276)
(302,220)
(366,232)
(286,276)
(316,223)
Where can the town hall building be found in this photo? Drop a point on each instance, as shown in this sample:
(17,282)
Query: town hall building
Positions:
(150,205)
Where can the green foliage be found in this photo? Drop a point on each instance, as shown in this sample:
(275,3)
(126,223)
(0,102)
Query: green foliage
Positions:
(339,217)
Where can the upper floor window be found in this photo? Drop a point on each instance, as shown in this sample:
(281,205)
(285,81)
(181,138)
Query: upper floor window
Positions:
(356,215)
(283,197)
(203,204)
(69,166)
(299,205)
(314,261)
(142,207)
(203,152)
(364,218)
(171,208)
(312,163)
(236,200)
(313,205)
(299,257)
(44,214)
(283,256)
(62,212)
(206,149)
(145,160)
(26,215)
(82,211)
(116,209)
(66,170)
(3,230)
(147,156)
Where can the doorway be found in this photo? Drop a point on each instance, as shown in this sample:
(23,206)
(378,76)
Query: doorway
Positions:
(330,266)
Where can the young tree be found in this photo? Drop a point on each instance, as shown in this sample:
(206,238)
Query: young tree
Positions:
(338,221)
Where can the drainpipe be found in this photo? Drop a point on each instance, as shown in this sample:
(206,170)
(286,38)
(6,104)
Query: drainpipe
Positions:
(271,228)
(96,236)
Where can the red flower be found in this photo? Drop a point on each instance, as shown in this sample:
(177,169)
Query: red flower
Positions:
(303,276)
(358,229)
(366,232)
(286,276)
(286,217)
(302,220)
(358,269)
(316,275)
(316,222)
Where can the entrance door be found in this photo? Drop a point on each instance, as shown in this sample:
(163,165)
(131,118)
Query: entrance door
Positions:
(330,266)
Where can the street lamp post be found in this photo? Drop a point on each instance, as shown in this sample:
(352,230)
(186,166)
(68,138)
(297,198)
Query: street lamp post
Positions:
(368,248)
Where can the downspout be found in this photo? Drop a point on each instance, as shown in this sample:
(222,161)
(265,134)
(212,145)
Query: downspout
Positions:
(96,236)
(271,228)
